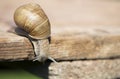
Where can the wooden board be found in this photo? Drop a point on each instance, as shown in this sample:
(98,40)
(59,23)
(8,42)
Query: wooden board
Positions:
(14,47)
(88,29)
(67,43)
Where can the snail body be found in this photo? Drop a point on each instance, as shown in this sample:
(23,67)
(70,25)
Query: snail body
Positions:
(32,19)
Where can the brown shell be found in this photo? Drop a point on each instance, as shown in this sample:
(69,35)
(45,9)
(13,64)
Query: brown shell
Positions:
(33,20)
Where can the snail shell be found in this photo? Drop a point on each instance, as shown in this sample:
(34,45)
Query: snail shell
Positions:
(33,20)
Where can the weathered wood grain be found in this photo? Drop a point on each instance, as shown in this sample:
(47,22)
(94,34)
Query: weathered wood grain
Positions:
(79,42)
(81,29)
(14,47)
(70,12)
(67,43)
(99,69)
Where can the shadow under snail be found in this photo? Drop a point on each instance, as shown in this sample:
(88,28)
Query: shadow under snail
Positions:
(33,20)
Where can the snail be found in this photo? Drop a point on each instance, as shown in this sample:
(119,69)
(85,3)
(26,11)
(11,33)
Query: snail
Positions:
(33,20)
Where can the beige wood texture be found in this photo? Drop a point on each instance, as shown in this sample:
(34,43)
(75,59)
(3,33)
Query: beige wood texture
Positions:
(69,12)
(99,69)
(81,29)
(67,43)
(14,47)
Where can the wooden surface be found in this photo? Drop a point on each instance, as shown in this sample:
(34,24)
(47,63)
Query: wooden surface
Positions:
(15,47)
(81,29)
(70,12)
(67,43)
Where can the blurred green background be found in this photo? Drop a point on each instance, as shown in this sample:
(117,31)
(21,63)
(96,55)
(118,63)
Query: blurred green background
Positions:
(23,70)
